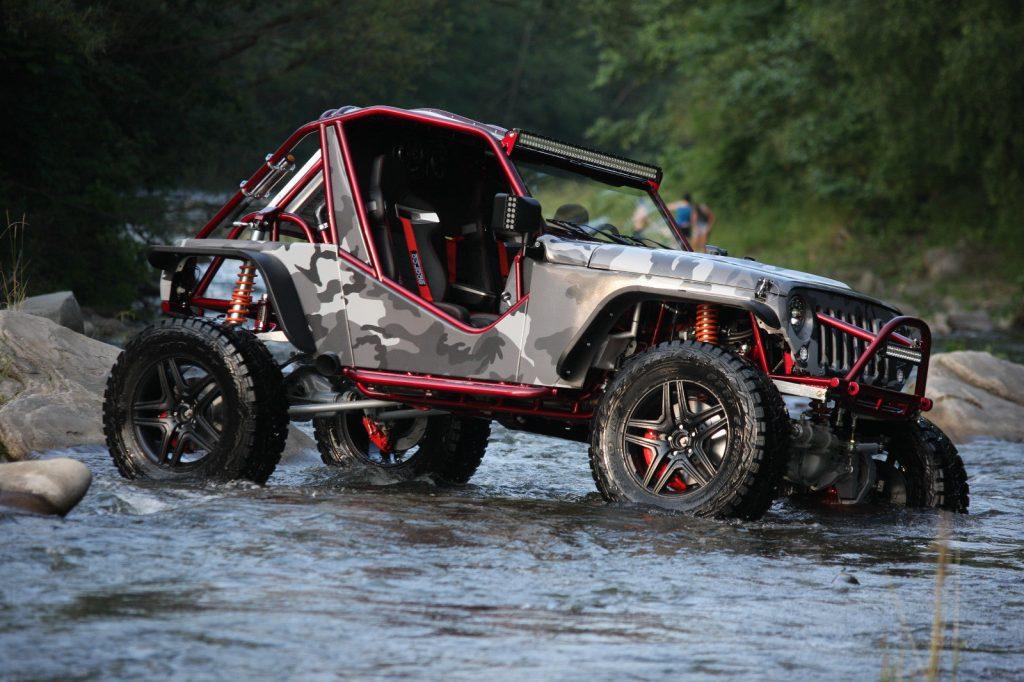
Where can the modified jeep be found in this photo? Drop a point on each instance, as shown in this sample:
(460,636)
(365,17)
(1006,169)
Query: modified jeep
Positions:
(433,274)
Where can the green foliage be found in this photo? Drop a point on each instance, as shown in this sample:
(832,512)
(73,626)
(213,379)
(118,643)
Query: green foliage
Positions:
(802,122)
(111,105)
(841,137)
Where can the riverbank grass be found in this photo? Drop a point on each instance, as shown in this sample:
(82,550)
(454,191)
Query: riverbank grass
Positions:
(13,263)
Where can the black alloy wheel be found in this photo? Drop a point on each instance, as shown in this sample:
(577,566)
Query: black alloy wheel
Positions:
(676,438)
(177,412)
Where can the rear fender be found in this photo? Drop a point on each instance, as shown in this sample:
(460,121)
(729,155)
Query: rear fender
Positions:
(278,276)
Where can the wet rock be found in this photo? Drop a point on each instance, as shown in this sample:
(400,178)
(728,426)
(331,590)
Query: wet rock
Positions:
(110,330)
(977,395)
(300,449)
(51,390)
(977,321)
(844,578)
(52,381)
(49,486)
(61,307)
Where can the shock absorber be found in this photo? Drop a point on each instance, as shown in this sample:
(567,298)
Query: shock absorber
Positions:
(707,323)
(241,297)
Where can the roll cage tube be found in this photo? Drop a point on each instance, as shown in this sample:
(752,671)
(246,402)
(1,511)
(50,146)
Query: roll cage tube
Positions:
(322,128)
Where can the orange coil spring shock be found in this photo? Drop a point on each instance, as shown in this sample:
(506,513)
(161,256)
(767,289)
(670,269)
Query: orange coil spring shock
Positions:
(707,323)
(241,298)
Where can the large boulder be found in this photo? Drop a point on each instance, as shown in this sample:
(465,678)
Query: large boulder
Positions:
(977,395)
(61,307)
(44,486)
(51,385)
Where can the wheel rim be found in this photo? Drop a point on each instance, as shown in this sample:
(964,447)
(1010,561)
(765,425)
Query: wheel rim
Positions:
(176,412)
(383,444)
(676,438)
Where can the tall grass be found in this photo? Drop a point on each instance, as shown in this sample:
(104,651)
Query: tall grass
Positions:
(912,662)
(13,263)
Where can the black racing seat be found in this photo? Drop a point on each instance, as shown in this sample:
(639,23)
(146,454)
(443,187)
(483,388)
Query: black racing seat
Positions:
(407,231)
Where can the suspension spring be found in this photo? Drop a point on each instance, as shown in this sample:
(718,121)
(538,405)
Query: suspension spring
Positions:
(707,323)
(241,297)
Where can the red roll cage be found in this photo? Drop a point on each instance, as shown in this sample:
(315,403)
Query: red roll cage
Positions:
(484,396)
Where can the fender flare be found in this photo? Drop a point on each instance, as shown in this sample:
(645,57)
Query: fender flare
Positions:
(579,355)
(280,288)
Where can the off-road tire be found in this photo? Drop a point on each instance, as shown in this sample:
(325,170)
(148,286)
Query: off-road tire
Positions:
(450,450)
(935,473)
(254,407)
(749,476)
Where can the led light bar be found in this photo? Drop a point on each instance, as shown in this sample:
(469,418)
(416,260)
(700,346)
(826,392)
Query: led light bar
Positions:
(898,352)
(615,164)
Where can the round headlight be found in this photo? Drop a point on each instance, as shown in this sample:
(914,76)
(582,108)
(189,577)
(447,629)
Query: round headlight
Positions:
(797,313)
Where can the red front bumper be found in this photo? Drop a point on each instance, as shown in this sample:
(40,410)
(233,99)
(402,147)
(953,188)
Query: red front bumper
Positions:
(880,403)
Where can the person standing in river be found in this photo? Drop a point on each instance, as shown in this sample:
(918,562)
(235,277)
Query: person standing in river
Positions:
(682,213)
(703,223)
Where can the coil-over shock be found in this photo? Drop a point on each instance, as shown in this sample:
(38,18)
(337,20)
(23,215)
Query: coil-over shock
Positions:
(706,328)
(241,297)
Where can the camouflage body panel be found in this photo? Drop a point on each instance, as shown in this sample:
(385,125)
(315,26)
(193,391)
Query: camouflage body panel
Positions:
(704,270)
(574,296)
(567,251)
(346,218)
(390,332)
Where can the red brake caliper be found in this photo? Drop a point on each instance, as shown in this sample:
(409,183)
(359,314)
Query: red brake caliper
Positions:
(676,482)
(377,436)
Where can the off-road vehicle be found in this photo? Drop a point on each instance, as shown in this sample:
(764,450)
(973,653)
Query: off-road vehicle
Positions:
(406,257)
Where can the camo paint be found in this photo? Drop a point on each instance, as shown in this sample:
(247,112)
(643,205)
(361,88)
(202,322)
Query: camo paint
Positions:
(390,332)
(371,325)
(346,217)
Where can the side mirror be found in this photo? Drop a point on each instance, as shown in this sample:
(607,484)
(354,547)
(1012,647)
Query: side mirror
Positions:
(516,217)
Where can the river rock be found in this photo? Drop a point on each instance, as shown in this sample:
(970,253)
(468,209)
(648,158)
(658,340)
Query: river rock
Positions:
(977,395)
(61,307)
(110,330)
(52,382)
(45,486)
(977,321)
(300,449)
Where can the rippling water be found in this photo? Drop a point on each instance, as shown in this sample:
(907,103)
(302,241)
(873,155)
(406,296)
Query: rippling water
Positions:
(526,573)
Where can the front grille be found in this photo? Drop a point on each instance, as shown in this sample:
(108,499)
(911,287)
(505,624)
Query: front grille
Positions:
(838,351)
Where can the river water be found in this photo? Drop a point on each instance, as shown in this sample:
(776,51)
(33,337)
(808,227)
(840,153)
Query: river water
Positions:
(524,574)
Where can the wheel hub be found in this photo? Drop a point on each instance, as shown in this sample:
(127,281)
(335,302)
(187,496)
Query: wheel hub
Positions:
(681,440)
(186,412)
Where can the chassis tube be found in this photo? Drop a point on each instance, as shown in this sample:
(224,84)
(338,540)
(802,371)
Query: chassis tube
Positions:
(304,409)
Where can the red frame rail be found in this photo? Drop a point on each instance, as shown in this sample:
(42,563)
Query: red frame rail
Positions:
(469,394)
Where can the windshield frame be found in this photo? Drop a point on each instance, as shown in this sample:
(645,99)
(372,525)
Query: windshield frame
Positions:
(566,165)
